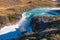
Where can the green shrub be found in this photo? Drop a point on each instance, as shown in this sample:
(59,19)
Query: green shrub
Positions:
(11,17)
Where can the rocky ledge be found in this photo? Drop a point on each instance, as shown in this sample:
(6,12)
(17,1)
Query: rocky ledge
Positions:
(43,23)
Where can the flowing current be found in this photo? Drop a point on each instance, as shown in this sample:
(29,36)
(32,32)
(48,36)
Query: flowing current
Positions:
(14,31)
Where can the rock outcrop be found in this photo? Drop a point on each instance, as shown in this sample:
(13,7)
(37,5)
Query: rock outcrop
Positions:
(43,23)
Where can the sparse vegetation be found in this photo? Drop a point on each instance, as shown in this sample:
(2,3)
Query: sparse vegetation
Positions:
(13,17)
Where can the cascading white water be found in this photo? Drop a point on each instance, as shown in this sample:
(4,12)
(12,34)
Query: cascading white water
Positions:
(14,31)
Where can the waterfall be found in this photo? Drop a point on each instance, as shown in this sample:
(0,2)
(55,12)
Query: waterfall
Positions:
(15,30)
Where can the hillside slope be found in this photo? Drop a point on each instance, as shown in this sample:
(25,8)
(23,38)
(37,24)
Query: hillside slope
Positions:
(8,8)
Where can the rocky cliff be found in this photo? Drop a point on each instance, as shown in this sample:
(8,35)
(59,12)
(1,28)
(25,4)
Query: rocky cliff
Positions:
(38,23)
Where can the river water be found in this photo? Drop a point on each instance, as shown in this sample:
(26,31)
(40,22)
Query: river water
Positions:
(15,30)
